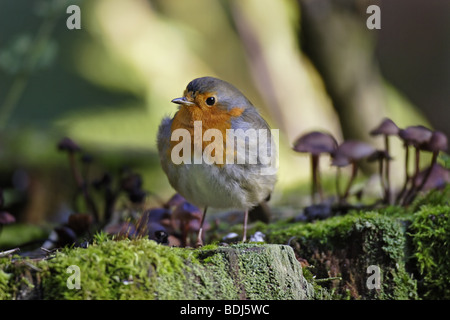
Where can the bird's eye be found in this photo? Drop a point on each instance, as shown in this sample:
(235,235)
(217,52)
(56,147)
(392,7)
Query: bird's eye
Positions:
(210,101)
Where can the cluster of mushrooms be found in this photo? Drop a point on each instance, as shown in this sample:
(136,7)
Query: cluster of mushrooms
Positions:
(352,152)
(171,222)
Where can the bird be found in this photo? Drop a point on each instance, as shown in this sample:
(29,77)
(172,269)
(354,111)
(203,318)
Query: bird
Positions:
(232,169)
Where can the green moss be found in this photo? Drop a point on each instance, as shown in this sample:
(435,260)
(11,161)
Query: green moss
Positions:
(430,232)
(137,269)
(433,198)
(400,241)
(345,246)
(257,271)
(5,289)
(262,278)
(220,281)
(143,269)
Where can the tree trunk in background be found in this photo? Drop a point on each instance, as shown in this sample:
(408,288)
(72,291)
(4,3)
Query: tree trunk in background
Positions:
(335,37)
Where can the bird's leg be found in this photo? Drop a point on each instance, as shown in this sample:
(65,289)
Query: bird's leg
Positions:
(244,237)
(200,230)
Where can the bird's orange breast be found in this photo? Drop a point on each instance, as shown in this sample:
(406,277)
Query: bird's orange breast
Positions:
(210,117)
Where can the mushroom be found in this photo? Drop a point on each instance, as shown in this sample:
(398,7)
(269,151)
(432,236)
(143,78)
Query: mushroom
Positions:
(5,219)
(71,148)
(174,201)
(412,136)
(68,145)
(350,152)
(186,213)
(386,128)
(437,178)
(381,156)
(132,183)
(437,143)
(160,216)
(80,223)
(315,143)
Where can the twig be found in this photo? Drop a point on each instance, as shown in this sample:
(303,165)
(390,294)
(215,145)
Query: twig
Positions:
(327,279)
(8,252)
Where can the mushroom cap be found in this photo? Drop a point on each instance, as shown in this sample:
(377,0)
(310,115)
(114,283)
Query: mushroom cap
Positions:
(175,201)
(79,222)
(156,214)
(65,235)
(131,182)
(187,211)
(67,144)
(386,127)
(378,155)
(339,160)
(87,158)
(415,135)
(137,195)
(438,178)
(6,218)
(438,142)
(350,151)
(315,142)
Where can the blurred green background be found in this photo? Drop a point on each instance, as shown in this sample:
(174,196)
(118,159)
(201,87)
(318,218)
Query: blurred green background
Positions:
(307,64)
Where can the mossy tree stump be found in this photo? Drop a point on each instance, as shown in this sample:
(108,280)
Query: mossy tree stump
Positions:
(343,249)
(142,269)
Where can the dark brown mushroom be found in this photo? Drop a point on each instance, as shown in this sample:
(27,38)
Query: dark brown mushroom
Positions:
(350,152)
(412,136)
(184,214)
(66,236)
(69,146)
(80,223)
(386,128)
(315,143)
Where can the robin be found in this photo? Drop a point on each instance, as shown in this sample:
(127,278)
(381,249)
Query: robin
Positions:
(227,156)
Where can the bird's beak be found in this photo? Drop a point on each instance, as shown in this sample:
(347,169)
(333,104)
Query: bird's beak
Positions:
(182,101)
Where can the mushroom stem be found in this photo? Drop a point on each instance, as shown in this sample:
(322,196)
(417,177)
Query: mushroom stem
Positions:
(407,178)
(417,162)
(412,190)
(350,182)
(338,189)
(413,195)
(82,186)
(387,187)
(383,184)
(315,180)
(184,233)
(75,173)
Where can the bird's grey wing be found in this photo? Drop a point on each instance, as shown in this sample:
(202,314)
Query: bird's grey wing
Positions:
(250,119)
(163,140)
